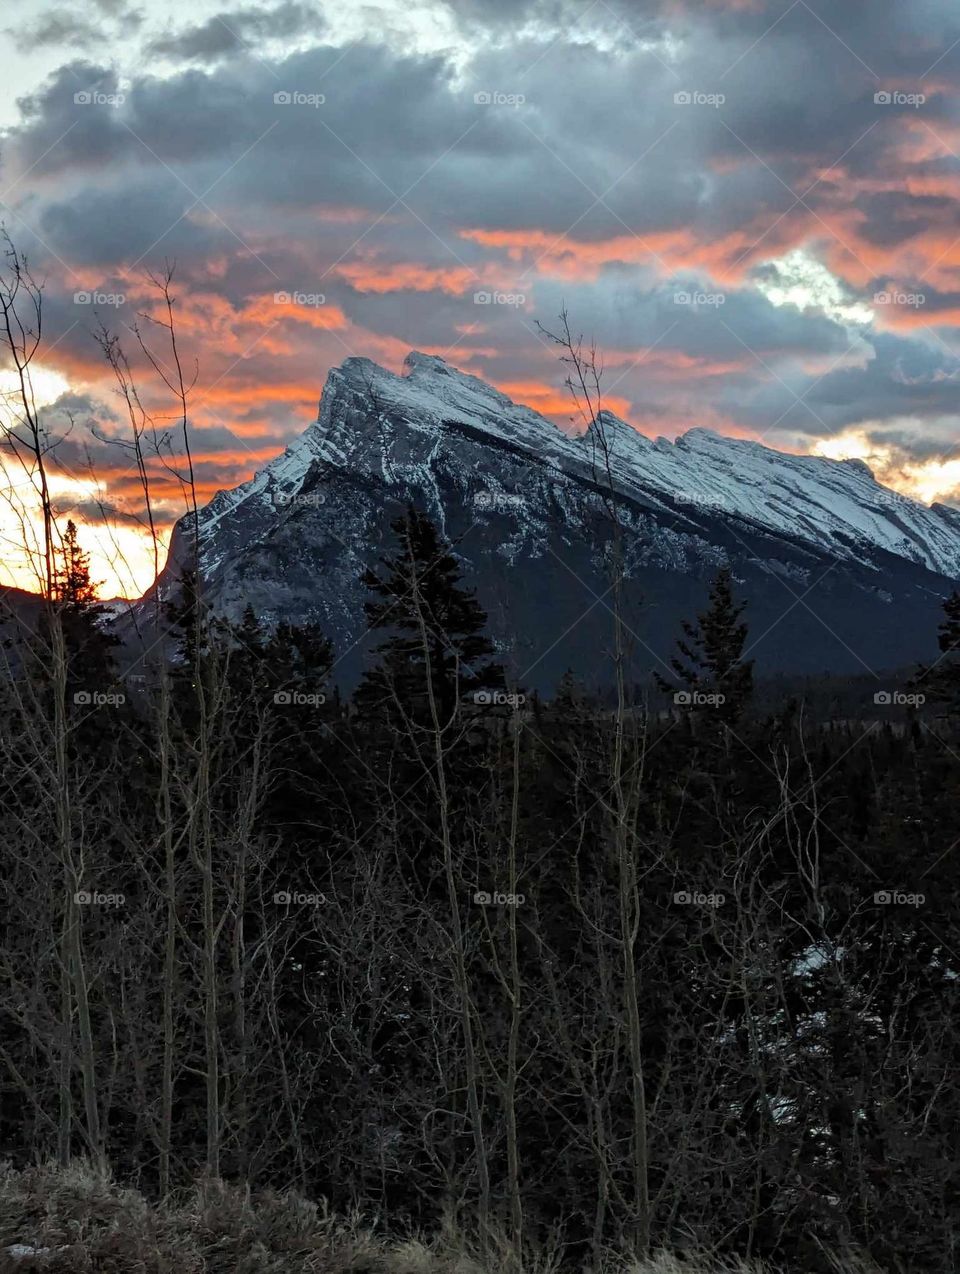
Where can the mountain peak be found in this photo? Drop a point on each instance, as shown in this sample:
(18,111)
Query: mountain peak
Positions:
(700,436)
(616,432)
(518,495)
(861,466)
(383,425)
(436,376)
(418,364)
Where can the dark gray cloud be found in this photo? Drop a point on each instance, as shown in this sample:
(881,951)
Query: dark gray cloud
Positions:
(85,29)
(58,27)
(119,9)
(238,31)
(584,181)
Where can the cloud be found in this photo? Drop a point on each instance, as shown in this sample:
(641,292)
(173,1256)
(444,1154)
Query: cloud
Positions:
(59,27)
(238,31)
(578,178)
(66,28)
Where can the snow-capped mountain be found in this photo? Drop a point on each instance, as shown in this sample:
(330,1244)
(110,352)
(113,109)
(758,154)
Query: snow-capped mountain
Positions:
(841,573)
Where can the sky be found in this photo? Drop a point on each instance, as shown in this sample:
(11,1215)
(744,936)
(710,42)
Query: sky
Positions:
(749,206)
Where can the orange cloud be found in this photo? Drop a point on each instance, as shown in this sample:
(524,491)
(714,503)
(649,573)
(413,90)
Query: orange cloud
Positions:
(551,401)
(725,258)
(398,276)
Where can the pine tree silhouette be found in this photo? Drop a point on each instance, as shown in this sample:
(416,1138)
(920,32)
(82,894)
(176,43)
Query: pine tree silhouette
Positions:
(941,680)
(73,588)
(81,615)
(185,611)
(432,620)
(710,661)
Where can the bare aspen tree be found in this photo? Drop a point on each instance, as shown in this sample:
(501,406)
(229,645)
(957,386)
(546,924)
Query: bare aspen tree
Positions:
(584,383)
(440,729)
(200,836)
(143,431)
(515,993)
(25,438)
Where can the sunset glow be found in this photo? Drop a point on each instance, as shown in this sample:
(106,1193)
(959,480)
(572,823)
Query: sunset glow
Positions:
(796,281)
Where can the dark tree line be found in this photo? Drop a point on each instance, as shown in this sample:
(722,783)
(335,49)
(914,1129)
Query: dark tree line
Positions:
(384,949)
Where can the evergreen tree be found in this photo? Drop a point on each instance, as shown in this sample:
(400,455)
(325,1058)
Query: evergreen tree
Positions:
(81,615)
(941,681)
(185,611)
(73,587)
(433,622)
(710,660)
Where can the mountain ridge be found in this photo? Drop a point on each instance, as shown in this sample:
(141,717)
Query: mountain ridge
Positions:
(427,374)
(512,489)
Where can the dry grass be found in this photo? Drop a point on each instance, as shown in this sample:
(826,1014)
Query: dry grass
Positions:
(88,1225)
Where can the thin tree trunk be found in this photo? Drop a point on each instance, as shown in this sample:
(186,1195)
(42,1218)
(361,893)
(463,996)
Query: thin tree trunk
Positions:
(460,966)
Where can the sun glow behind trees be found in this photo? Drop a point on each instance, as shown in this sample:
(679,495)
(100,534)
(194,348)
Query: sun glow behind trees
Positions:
(121,552)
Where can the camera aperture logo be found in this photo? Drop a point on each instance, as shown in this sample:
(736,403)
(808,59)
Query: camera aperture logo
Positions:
(896,898)
(698,300)
(497,500)
(294,898)
(495,98)
(311,299)
(94,898)
(699,699)
(98,698)
(692,898)
(485,899)
(299,699)
(99,298)
(308,499)
(93,97)
(912,299)
(514,299)
(291,97)
(893,97)
(898,699)
(697,499)
(498,699)
(694,98)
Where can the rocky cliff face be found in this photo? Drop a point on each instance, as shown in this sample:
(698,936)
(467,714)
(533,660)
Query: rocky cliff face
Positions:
(841,574)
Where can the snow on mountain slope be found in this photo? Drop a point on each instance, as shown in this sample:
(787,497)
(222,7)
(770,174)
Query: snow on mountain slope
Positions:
(838,572)
(836,505)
